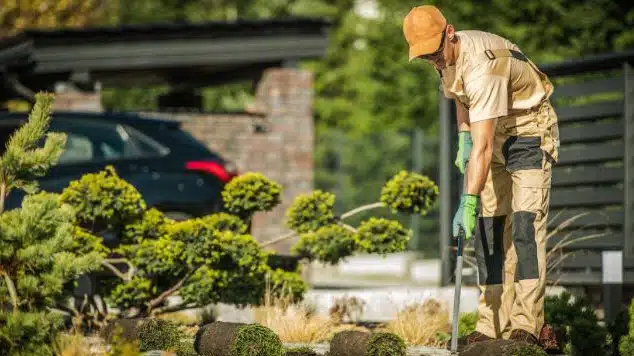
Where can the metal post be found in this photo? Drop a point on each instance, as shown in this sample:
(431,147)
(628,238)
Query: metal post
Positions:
(417,166)
(612,280)
(628,160)
(445,187)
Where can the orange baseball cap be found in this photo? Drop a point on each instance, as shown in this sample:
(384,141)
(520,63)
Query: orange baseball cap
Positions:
(423,27)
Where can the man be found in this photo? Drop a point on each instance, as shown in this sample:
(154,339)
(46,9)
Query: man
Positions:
(508,143)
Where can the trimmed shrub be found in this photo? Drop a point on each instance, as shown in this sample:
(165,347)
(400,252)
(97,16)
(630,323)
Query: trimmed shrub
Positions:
(409,193)
(237,339)
(104,200)
(311,211)
(225,222)
(328,244)
(382,236)
(249,193)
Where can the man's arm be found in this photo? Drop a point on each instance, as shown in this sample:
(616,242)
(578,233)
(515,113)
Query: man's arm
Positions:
(462,117)
(481,155)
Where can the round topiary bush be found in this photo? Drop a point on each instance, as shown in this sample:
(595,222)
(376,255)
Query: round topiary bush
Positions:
(361,343)
(250,193)
(225,222)
(237,339)
(311,211)
(152,225)
(409,193)
(103,200)
(382,236)
(328,244)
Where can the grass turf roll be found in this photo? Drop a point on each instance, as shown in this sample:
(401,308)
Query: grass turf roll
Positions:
(237,339)
(300,351)
(502,348)
(386,344)
(361,343)
(124,329)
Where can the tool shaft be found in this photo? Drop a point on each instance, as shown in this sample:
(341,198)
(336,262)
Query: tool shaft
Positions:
(456,298)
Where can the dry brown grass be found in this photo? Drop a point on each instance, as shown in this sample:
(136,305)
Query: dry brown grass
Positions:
(71,344)
(420,323)
(293,322)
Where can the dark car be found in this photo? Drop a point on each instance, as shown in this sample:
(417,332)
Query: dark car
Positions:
(173,171)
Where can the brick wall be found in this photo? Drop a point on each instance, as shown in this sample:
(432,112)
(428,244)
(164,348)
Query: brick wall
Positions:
(281,149)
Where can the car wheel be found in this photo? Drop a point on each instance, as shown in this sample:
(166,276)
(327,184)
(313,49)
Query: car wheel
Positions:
(177,215)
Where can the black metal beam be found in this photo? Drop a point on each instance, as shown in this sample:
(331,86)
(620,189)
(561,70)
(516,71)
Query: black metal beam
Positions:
(586,64)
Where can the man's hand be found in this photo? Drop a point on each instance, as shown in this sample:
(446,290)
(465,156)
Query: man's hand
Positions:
(464,150)
(466,215)
(457,218)
(469,214)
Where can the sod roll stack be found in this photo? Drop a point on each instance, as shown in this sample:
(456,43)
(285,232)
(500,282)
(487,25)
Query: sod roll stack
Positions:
(360,343)
(237,339)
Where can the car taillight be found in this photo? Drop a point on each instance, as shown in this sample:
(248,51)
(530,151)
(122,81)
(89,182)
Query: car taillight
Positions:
(223,173)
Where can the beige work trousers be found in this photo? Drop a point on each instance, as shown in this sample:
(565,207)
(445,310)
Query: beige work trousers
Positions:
(510,236)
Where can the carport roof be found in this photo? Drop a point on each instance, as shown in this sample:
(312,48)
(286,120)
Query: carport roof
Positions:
(165,53)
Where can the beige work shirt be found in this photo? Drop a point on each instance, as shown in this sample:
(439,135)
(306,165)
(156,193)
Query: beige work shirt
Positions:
(492,88)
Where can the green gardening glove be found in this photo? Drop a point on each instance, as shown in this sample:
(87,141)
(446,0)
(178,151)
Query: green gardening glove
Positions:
(470,203)
(464,150)
(457,218)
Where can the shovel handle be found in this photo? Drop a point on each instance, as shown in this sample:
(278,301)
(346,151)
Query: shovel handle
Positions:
(456,298)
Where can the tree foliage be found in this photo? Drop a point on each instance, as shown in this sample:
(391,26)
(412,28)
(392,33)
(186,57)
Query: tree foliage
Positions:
(16,15)
(42,253)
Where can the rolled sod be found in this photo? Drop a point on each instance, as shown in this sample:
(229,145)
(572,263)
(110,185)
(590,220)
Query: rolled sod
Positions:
(124,329)
(502,348)
(237,339)
(300,351)
(361,343)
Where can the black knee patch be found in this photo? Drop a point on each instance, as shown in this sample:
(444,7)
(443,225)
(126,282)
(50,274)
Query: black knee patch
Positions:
(489,249)
(523,153)
(525,245)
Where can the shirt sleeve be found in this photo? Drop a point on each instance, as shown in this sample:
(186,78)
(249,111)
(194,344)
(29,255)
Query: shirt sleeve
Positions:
(488,97)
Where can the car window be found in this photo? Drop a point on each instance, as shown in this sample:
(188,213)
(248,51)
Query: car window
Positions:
(78,149)
(146,146)
(93,140)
